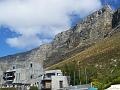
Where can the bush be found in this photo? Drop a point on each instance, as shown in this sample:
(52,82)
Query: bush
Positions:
(8,89)
(33,88)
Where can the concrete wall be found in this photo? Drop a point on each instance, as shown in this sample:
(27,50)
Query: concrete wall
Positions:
(1,77)
(114,87)
(56,80)
(28,73)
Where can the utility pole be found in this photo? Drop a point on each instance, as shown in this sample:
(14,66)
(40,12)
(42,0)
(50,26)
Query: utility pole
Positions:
(74,78)
(86,76)
(79,77)
(79,72)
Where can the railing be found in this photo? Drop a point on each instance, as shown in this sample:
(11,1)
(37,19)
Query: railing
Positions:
(43,87)
(46,78)
(9,80)
(8,76)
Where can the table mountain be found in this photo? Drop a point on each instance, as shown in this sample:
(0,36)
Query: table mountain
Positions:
(97,26)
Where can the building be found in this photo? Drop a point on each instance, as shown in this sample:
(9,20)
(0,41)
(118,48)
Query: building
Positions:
(54,80)
(114,87)
(27,74)
(1,78)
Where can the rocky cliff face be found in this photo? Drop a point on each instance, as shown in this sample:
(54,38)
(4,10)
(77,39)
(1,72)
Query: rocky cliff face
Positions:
(116,18)
(94,27)
(36,55)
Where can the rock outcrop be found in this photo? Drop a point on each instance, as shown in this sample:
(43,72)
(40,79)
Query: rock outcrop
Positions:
(94,27)
(116,18)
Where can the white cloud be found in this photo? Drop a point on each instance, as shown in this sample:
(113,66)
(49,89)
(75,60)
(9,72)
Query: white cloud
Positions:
(23,41)
(33,19)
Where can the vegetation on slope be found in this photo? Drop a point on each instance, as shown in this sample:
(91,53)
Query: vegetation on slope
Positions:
(98,64)
(33,88)
(8,89)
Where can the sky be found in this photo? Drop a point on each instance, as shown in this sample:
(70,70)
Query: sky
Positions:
(26,24)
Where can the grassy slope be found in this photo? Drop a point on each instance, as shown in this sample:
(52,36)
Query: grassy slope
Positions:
(7,89)
(100,61)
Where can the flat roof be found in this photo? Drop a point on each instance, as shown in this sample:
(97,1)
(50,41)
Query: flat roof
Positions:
(53,71)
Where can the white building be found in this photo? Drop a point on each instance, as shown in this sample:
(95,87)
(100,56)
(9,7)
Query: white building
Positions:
(54,80)
(30,74)
(1,78)
(114,87)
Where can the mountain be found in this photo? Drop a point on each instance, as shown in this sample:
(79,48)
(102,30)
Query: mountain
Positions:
(91,29)
(99,63)
(95,32)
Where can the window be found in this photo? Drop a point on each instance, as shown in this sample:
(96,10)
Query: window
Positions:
(31,76)
(13,67)
(61,84)
(48,75)
(31,65)
(59,74)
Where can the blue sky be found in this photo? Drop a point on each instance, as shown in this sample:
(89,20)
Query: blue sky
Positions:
(21,31)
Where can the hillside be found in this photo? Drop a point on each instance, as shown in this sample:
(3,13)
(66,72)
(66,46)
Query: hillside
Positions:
(101,62)
(92,28)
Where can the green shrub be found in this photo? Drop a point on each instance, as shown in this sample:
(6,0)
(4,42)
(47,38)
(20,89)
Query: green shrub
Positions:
(33,88)
(8,89)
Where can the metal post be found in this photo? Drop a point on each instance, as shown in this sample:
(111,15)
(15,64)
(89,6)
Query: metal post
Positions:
(79,76)
(79,72)
(74,77)
(85,76)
